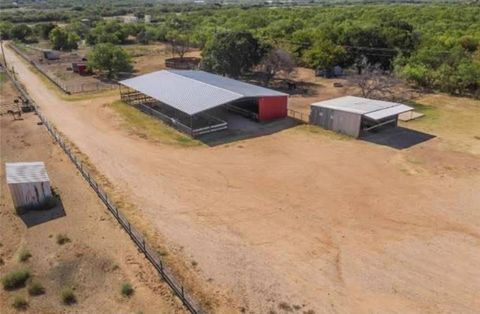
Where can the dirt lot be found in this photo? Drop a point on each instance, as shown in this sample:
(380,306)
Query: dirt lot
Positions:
(99,258)
(304,219)
(149,58)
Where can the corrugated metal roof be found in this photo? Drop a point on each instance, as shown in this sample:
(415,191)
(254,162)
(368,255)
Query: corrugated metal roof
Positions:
(384,113)
(364,106)
(24,172)
(194,91)
(239,87)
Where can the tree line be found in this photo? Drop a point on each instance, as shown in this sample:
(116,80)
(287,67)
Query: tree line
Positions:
(432,46)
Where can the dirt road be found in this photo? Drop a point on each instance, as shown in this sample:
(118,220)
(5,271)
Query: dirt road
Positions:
(298,220)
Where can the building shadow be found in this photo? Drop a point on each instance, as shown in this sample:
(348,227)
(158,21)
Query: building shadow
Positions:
(36,217)
(398,137)
(242,128)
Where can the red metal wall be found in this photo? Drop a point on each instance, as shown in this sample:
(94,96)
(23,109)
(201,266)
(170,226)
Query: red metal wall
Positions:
(272,107)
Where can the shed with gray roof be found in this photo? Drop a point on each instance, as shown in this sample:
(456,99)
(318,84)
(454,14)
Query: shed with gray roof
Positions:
(28,183)
(356,115)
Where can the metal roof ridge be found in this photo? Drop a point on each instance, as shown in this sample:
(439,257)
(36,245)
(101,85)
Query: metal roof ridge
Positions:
(395,104)
(189,78)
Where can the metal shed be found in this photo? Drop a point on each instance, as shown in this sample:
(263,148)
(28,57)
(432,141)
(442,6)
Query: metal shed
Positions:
(185,99)
(28,183)
(355,115)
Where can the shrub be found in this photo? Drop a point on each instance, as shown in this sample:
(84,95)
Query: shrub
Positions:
(68,296)
(62,239)
(36,288)
(20,303)
(15,279)
(127,290)
(24,255)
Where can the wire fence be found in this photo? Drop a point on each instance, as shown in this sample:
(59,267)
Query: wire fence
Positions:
(133,232)
(68,88)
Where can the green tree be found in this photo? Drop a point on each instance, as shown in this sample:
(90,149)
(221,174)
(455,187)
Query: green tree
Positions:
(63,40)
(20,32)
(324,54)
(43,29)
(232,53)
(109,59)
(109,32)
(5,28)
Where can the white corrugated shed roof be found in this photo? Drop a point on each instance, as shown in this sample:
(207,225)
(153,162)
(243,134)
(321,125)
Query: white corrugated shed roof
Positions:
(25,172)
(194,91)
(371,108)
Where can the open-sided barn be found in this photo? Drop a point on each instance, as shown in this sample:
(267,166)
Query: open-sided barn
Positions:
(355,115)
(186,99)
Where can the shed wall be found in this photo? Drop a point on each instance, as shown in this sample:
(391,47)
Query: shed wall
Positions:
(336,120)
(24,194)
(272,107)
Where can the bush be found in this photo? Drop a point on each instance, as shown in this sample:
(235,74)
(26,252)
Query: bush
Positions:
(62,239)
(15,279)
(68,296)
(24,255)
(127,290)
(36,288)
(20,303)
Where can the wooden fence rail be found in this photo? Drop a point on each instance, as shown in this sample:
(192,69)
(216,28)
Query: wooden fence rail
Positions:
(136,236)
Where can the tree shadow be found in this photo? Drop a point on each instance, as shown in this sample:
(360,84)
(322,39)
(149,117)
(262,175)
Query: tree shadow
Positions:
(36,217)
(398,137)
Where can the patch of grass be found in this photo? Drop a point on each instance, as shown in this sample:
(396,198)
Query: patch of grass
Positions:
(150,128)
(285,307)
(194,263)
(127,290)
(68,296)
(19,303)
(162,252)
(62,239)
(24,255)
(35,288)
(15,280)
(314,129)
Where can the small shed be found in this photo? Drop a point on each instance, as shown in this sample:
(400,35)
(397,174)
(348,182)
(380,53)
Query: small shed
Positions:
(28,183)
(51,55)
(356,115)
(80,68)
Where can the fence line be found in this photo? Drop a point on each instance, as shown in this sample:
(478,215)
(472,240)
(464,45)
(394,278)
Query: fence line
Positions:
(66,88)
(134,234)
(297,115)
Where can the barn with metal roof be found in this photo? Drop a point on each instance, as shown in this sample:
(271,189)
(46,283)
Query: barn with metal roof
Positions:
(185,99)
(356,115)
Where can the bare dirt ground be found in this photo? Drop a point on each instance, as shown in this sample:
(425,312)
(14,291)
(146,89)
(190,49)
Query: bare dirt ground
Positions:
(149,58)
(303,220)
(99,258)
